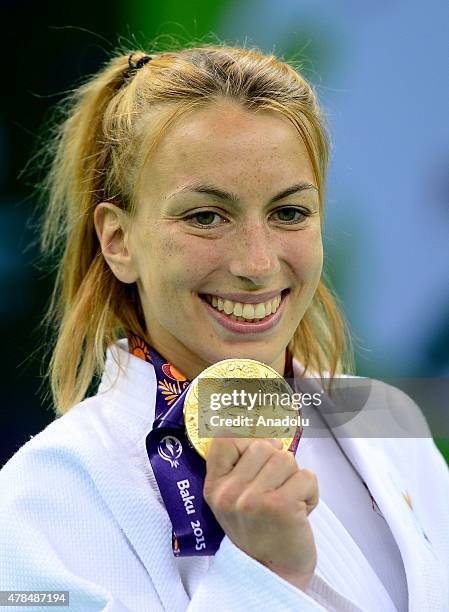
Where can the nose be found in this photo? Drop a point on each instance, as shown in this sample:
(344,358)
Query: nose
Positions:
(253,255)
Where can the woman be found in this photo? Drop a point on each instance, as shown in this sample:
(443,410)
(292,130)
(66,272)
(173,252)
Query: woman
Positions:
(186,205)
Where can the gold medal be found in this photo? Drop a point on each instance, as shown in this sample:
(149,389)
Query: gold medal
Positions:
(247,381)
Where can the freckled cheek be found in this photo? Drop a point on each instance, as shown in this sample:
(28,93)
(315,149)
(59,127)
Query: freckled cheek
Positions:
(305,256)
(189,266)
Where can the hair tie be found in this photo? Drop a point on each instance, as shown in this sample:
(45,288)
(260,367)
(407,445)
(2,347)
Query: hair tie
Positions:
(140,62)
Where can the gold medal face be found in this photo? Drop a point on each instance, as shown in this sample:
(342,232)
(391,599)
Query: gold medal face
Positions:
(255,377)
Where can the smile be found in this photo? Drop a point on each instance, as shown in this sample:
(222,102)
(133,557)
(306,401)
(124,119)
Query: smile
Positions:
(242,311)
(246,317)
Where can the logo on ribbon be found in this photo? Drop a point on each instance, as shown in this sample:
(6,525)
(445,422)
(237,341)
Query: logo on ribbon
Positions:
(170,449)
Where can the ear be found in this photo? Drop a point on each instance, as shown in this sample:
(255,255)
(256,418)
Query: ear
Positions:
(111,224)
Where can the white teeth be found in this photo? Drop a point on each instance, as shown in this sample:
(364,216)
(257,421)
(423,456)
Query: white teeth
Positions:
(245,312)
(248,311)
(238,309)
(228,307)
(259,311)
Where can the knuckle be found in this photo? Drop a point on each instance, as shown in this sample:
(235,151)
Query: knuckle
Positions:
(284,459)
(247,504)
(225,498)
(258,447)
(215,450)
(277,460)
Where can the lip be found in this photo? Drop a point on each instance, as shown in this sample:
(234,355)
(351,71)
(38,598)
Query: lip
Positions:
(239,327)
(249,298)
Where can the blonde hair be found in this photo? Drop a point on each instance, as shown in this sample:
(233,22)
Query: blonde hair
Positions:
(97,154)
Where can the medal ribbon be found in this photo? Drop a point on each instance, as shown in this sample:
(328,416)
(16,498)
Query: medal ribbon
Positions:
(178,468)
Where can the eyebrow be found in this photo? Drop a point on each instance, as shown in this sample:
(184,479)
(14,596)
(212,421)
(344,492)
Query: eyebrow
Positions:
(232,197)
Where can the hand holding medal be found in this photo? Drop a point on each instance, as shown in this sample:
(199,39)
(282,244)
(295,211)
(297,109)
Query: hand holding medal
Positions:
(262,499)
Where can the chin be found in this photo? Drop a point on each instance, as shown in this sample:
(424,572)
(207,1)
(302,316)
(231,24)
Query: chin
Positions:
(247,352)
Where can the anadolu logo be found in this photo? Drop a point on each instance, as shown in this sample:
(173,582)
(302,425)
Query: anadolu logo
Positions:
(170,449)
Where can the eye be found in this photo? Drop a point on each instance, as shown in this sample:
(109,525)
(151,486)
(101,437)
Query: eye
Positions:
(290,214)
(205,218)
(287,215)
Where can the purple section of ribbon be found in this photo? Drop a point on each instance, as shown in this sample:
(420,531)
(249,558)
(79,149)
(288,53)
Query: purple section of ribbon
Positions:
(180,471)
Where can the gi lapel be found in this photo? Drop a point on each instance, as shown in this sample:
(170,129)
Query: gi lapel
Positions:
(424,571)
(373,459)
(146,525)
(132,495)
(343,567)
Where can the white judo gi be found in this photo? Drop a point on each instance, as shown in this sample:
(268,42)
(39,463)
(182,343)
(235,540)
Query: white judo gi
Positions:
(80,511)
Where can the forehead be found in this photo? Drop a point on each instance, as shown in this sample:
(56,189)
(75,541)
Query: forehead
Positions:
(225,142)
